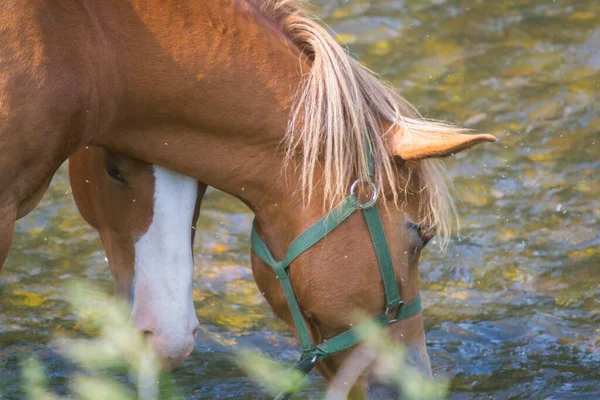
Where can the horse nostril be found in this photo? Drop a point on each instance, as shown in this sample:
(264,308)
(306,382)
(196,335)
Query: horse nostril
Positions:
(147,334)
(195,333)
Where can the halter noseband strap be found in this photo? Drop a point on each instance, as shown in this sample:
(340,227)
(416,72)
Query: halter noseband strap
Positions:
(395,308)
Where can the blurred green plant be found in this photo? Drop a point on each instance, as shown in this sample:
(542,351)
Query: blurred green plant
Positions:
(391,365)
(116,344)
(271,375)
(388,358)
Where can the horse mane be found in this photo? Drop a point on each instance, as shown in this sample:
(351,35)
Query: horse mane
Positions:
(339,102)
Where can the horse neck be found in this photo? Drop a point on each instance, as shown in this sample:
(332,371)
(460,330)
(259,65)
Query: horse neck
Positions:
(216,80)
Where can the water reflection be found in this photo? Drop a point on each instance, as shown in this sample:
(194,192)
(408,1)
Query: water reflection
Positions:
(512,307)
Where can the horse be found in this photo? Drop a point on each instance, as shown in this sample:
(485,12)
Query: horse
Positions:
(145,216)
(257,99)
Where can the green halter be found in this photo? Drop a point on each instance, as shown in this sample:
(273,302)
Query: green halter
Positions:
(395,309)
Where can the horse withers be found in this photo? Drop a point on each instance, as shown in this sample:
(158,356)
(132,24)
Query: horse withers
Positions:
(254,98)
(146,218)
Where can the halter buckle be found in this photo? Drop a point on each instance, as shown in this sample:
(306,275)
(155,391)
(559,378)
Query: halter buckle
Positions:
(307,364)
(373,198)
(392,313)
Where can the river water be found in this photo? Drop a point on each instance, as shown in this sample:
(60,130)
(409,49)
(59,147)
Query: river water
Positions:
(512,307)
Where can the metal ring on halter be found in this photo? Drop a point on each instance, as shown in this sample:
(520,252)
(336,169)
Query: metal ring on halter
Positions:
(373,198)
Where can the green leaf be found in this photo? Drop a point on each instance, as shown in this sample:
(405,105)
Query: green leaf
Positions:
(274,377)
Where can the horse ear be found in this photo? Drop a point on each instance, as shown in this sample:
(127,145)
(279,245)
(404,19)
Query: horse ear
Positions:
(416,146)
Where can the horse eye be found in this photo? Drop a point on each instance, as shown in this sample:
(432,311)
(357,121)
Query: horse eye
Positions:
(423,233)
(115,173)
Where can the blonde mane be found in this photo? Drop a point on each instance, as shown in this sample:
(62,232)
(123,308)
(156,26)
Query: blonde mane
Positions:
(340,101)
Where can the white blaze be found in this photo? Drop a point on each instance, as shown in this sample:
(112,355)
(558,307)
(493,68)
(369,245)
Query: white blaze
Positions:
(164,267)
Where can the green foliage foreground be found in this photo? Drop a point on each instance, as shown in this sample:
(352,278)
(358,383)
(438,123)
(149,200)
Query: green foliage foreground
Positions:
(388,358)
(116,344)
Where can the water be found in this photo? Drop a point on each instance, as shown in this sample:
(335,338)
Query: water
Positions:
(512,307)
